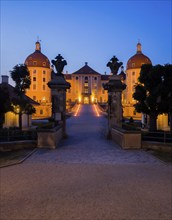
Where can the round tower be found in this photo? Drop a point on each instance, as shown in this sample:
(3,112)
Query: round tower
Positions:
(132,73)
(40,73)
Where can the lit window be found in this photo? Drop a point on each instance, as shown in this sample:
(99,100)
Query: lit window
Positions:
(34,78)
(85,90)
(86,84)
(44,80)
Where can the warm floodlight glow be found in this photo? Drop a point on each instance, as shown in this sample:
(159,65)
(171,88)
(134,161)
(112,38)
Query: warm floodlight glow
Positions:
(96,110)
(77,111)
(92,99)
(79,99)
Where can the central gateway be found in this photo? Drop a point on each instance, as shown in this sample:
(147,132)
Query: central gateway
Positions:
(86,86)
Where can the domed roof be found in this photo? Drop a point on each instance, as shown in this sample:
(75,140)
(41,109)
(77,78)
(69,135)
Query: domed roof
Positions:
(138,59)
(37,59)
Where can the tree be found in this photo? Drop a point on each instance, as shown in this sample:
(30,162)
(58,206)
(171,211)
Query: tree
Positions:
(166,97)
(21,76)
(148,93)
(5,105)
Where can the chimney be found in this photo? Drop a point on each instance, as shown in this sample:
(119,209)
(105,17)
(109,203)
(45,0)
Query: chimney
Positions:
(5,79)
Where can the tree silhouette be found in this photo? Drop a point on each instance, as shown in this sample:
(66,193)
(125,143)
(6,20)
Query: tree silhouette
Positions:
(21,76)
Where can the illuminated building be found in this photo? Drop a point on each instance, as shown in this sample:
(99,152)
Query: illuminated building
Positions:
(132,73)
(12,117)
(86,86)
(40,72)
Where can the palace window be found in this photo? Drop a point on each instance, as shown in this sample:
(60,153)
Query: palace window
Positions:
(44,80)
(86,77)
(34,71)
(44,72)
(34,79)
(85,90)
(41,112)
(44,63)
(133,73)
(34,63)
(95,78)
(34,87)
(86,84)
(76,77)
(43,87)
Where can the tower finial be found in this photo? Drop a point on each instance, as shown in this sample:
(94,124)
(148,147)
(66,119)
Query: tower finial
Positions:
(38,45)
(139,47)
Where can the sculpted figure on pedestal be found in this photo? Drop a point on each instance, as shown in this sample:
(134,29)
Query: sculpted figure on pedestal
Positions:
(114,65)
(59,64)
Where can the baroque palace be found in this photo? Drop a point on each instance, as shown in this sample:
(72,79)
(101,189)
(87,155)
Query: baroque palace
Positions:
(86,84)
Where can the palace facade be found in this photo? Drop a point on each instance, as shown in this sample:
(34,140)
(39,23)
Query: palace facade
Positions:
(86,84)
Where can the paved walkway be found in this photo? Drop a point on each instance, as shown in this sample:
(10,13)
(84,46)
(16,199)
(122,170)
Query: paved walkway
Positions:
(87,143)
(88,178)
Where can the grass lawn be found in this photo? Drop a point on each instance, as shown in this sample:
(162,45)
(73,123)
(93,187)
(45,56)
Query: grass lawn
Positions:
(166,157)
(14,157)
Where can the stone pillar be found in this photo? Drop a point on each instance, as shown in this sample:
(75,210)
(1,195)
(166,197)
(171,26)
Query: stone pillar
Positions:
(115,88)
(58,86)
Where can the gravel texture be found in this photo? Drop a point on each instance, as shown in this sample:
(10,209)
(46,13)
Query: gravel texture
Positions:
(87,178)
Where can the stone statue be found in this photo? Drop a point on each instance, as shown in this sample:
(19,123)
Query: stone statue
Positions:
(59,64)
(114,65)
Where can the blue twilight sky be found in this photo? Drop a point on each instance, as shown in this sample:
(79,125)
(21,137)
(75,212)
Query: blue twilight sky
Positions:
(85,31)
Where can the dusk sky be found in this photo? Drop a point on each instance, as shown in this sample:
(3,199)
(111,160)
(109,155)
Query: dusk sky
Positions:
(85,31)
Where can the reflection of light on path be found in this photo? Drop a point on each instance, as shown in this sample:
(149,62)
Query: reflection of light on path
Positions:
(77,110)
(96,110)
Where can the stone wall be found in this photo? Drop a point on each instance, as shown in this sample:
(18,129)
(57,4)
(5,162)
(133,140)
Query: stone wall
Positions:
(126,139)
(49,138)
(17,145)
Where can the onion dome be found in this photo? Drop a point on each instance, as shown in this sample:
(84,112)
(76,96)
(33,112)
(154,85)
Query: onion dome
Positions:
(37,59)
(138,59)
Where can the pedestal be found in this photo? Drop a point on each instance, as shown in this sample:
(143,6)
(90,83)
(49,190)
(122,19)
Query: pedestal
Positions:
(58,87)
(115,88)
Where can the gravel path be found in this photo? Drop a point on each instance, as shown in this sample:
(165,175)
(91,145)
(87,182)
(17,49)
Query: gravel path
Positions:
(88,178)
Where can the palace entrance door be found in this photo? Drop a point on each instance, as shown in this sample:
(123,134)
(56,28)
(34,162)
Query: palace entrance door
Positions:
(86,100)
